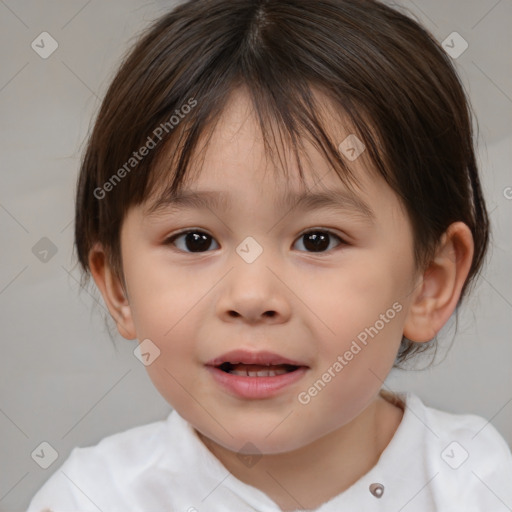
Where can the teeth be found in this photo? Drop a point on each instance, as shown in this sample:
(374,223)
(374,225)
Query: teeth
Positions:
(259,373)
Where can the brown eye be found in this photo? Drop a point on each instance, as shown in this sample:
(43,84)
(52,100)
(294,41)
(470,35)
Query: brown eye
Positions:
(191,241)
(195,241)
(318,241)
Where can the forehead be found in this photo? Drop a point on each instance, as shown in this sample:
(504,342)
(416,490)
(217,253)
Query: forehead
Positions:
(237,185)
(234,166)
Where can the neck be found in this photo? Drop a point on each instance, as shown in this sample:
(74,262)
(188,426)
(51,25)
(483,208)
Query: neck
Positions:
(341,457)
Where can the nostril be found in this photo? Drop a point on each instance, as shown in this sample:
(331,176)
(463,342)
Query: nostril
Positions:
(234,314)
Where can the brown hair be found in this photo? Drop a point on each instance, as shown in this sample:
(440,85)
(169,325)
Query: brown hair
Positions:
(379,67)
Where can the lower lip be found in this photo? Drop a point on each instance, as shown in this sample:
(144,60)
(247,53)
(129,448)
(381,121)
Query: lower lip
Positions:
(255,387)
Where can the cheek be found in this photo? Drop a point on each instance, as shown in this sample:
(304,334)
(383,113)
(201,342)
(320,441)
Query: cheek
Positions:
(350,301)
(163,304)
(362,315)
(161,297)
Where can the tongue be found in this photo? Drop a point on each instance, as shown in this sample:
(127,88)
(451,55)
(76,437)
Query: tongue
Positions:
(258,367)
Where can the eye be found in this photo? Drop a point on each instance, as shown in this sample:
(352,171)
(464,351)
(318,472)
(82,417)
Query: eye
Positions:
(318,240)
(191,241)
(196,241)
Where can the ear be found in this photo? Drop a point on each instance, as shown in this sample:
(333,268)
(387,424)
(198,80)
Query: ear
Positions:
(113,292)
(438,290)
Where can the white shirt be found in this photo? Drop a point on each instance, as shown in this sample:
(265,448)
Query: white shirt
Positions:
(436,461)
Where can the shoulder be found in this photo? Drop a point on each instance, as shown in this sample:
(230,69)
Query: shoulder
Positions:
(472,461)
(127,452)
(90,474)
(474,433)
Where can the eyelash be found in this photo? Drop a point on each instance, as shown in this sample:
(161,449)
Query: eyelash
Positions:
(170,240)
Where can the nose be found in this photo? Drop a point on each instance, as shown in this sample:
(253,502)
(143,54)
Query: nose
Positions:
(254,293)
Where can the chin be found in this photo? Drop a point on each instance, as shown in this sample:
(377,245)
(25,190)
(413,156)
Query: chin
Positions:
(257,440)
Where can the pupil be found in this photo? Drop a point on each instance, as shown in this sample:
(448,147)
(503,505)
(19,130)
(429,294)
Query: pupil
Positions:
(316,241)
(197,242)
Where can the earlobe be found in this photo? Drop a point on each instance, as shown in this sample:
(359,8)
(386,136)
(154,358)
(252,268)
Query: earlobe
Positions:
(438,290)
(112,291)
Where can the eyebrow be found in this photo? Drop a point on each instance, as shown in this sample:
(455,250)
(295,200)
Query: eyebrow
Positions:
(337,200)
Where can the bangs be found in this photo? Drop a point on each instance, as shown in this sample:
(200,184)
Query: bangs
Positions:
(285,124)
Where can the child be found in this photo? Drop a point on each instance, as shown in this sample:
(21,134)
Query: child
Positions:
(320,155)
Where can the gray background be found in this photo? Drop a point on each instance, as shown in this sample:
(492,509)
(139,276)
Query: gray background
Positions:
(61,379)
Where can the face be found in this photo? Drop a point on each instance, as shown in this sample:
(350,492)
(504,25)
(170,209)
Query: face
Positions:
(323,288)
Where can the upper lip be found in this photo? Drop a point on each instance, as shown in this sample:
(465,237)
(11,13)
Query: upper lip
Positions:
(249,357)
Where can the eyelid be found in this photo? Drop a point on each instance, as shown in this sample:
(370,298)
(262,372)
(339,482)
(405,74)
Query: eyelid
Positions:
(302,233)
(170,238)
(324,230)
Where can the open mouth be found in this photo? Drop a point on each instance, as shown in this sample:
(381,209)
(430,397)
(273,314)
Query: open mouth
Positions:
(257,370)
(255,375)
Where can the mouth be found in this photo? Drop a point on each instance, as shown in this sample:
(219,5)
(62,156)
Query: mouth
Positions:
(255,375)
(257,370)
(255,364)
